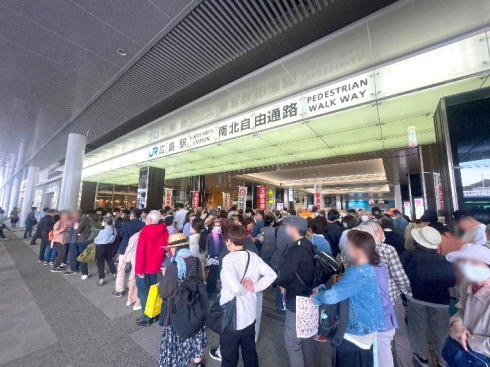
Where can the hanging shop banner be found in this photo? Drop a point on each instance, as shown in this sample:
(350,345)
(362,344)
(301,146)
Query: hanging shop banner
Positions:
(318,196)
(261,197)
(271,198)
(226,200)
(196,199)
(438,191)
(168,197)
(242,197)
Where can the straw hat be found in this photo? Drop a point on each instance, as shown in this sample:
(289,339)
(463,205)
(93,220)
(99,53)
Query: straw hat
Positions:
(177,240)
(427,236)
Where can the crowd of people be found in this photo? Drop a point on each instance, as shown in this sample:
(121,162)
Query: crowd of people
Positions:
(408,293)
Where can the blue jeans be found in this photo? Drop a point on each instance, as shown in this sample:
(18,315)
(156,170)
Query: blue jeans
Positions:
(143,286)
(456,356)
(50,254)
(74,250)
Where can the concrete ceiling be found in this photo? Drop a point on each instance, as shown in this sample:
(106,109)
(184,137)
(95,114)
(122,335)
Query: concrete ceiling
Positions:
(56,56)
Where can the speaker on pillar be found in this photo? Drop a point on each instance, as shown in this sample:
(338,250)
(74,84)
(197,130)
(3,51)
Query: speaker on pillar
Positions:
(150,188)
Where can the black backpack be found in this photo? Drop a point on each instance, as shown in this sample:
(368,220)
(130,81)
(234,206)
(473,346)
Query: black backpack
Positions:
(189,307)
(324,267)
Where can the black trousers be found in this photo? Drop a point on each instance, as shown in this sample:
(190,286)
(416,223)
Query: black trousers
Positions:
(103,255)
(230,344)
(350,355)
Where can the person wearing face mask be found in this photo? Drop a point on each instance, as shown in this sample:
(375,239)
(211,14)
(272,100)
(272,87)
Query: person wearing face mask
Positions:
(197,243)
(244,274)
(359,285)
(296,277)
(215,245)
(181,279)
(398,288)
(431,276)
(468,343)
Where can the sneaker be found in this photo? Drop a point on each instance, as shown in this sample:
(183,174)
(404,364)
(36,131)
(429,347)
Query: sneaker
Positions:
(45,263)
(128,303)
(51,263)
(215,354)
(117,294)
(39,261)
(320,338)
(144,321)
(84,277)
(68,272)
(56,270)
(136,308)
(4,239)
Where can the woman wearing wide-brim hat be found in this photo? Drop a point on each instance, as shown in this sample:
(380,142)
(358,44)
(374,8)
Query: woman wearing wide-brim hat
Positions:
(431,276)
(176,351)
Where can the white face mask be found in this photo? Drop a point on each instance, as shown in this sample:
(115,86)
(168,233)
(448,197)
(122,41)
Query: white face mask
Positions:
(364,218)
(217,230)
(475,273)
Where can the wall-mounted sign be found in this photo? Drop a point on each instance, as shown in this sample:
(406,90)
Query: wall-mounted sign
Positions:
(242,197)
(271,197)
(317,102)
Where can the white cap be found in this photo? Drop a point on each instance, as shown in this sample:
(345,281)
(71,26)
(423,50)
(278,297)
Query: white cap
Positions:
(427,236)
(472,252)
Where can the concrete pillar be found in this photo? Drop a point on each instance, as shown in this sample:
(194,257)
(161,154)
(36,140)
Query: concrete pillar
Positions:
(14,196)
(398,197)
(338,202)
(8,184)
(31,183)
(4,178)
(72,172)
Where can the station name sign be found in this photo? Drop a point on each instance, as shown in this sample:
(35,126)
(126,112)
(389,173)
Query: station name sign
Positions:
(320,101)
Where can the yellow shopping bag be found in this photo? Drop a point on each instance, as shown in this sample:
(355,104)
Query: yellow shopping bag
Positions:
(153,302)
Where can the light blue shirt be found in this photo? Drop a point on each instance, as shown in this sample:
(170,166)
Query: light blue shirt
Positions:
(105,235)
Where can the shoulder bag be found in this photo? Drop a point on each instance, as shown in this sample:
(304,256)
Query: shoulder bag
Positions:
(222,318)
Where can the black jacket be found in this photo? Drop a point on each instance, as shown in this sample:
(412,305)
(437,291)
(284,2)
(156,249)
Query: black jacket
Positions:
(396,240)
(128,228)
(430,275)
(44,226)
(333,232)
(299,264)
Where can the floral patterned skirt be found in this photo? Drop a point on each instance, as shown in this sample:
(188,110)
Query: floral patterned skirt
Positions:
(178,352)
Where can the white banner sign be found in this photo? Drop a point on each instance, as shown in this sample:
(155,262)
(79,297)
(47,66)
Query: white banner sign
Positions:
(242,197)
(320,101)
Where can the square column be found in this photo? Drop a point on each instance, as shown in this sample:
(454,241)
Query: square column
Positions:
(31,183)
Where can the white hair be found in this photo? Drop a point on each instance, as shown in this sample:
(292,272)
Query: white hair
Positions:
(154,216)
(370,227)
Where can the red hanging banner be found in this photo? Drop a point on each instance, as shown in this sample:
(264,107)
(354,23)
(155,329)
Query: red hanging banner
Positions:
(196,199)
(262,197)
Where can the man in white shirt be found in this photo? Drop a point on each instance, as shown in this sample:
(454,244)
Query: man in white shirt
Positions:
(474,231)
(180,216)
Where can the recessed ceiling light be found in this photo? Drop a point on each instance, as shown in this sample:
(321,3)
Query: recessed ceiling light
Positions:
(122,51)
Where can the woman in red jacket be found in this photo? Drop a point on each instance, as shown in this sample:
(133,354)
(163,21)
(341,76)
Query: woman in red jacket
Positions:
(150,254)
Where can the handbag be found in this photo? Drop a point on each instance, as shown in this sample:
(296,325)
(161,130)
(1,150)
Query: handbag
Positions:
(153,302)
(88,255)
(222,318)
